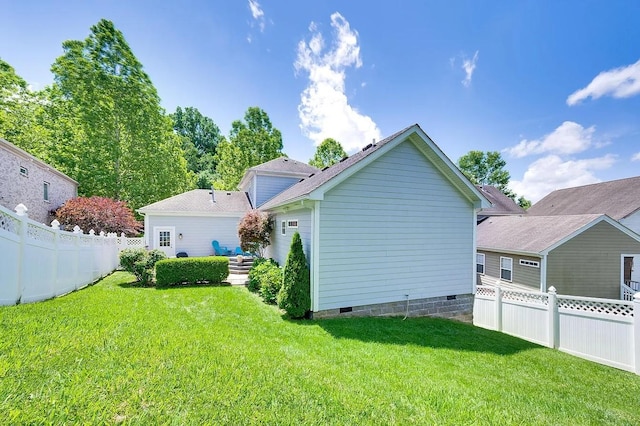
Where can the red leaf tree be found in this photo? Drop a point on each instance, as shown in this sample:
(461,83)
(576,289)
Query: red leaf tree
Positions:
(254,231)
(99,214)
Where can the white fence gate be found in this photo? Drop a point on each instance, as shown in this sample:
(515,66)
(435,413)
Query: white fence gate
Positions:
(39,262)
(606,331)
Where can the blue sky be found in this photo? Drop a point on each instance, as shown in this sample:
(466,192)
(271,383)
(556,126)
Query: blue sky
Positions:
(554,86)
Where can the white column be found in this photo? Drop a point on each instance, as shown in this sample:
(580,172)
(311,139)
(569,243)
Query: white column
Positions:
(636,331)
(21,210)
(552,322)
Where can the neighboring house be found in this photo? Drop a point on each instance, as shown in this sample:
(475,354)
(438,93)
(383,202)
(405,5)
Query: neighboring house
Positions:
(581,255)
(387,230)
(267,180)
(618,199)
(32,182)
(189,222)
(501,205)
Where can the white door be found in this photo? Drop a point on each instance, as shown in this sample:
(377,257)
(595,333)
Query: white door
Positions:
(164,239)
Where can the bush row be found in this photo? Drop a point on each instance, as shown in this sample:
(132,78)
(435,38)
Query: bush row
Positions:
(191,270)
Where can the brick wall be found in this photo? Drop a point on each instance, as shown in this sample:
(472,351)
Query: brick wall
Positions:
(455,307)
(16,188)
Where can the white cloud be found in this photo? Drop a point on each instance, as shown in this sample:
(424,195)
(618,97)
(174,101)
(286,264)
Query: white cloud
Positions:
(324,108)
(568,138)
(636,157)
(469,66)
(620,82)
(552,172)
(257,13)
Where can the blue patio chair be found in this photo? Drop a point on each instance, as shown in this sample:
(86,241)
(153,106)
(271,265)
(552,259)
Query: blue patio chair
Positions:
(219,251)
(243,253)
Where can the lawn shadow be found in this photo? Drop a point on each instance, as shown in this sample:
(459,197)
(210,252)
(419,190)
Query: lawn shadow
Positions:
(423,331)
(193,285)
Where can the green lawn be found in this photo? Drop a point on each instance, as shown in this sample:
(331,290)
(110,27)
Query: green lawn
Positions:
(116,353)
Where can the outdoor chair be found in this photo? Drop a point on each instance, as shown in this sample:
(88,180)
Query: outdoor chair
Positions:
(219,251)
(242,253)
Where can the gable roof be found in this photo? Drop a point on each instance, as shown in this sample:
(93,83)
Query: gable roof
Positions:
(199,202)
(501,204)
(536,234)
(281,166)
(314,186)
(617,199)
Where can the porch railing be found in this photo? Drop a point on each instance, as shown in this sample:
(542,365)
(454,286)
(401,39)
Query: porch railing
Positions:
(627,292)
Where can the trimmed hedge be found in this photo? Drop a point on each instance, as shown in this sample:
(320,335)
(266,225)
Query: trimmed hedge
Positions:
(191,270)
(140,263)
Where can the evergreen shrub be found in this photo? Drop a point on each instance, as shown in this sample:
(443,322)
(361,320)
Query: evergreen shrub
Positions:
(295,295)
(140,263)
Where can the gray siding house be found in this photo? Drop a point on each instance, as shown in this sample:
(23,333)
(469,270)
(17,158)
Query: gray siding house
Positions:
(32,182)
(388,230)
(580,255)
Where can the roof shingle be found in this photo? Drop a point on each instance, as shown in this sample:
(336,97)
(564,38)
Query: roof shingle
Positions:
(200,201)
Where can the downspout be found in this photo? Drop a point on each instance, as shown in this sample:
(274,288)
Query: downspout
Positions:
(315,256)
(543,274)
(474,251)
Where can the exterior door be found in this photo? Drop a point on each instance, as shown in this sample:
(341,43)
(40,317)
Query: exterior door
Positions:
(164,239)
(628,268)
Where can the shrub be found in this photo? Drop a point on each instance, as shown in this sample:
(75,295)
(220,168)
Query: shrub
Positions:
(254,231)
(191,270)
(271,283)
(140,263)
(99,214)
(295,295)
(258,269)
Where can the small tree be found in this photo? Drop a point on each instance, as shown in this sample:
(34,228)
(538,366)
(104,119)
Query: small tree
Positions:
(295,295)
(328,153)
(254,230)
(99,214)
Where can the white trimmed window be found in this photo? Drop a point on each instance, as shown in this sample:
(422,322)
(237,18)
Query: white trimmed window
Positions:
(24,171)
(292,223)
(506,268)
(530,263)
(45,191)
(480,263)
(283,227)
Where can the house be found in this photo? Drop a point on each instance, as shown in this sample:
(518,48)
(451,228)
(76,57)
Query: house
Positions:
(388,230)
(32,182)
(188,222)
(618,199)
(580,255)
(501,205)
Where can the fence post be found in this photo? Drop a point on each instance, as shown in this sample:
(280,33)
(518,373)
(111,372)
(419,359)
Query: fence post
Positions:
(552,322)
(498,308)
(636,331)
(21,210)
(55,225)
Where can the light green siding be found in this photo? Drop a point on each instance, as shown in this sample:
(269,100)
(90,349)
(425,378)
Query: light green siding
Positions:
(590,264)
(395,228)
(523,275)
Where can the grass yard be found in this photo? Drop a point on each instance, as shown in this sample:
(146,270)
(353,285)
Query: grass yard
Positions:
(114,353)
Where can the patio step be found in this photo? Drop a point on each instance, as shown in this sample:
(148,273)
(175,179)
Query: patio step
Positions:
(236,267)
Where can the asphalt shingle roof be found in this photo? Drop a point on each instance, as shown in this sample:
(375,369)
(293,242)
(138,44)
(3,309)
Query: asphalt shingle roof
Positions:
(617,199)
(306,186)
(200,201)
(284,164)
(531,234)
(501,203)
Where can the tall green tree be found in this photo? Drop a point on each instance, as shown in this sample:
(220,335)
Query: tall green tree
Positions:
(489,168)
(251,142)
(200,137)
(328,153)
(128,149)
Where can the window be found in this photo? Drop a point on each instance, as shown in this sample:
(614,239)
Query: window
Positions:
(45,189)
(506,268)
(283,227)
(164,239)
(24,171)
(480,263)
(531,263)
(292,223)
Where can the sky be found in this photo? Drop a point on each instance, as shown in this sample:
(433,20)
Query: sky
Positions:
(554,86)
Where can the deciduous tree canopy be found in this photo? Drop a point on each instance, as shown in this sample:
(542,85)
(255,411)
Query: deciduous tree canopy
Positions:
(328,153)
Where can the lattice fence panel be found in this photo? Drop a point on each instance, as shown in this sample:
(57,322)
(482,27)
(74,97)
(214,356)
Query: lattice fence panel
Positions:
(622,309)
(38,233)
(9,223)
(485,291)
(520,296)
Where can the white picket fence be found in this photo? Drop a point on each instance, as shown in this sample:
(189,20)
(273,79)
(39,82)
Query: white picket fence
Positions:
(606,331)
(38,262)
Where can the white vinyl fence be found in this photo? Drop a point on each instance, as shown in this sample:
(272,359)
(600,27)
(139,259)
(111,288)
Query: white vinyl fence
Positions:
(38,262)
(606,331)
